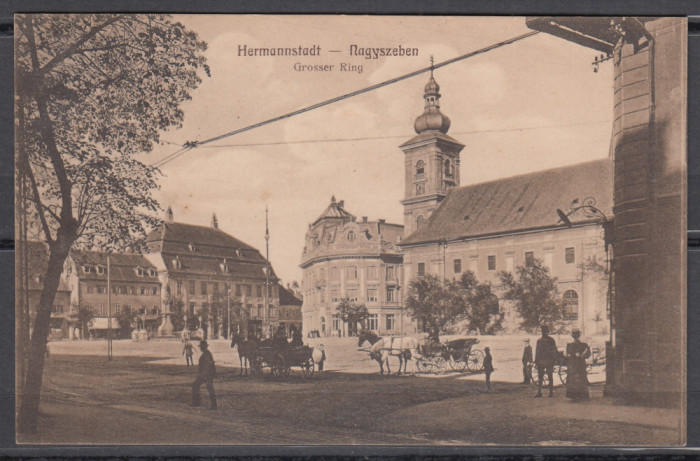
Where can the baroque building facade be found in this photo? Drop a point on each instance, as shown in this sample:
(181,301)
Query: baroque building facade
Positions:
(356,259)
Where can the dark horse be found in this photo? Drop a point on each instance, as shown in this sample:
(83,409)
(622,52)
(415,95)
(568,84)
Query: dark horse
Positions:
(404,347)
(246,350)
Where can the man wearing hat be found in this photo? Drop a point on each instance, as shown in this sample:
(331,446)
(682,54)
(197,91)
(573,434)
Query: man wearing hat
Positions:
(205,375)
(527,362)
(545,355)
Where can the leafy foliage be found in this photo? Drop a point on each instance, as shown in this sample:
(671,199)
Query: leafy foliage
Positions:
(126,323)
(534,293)
(92,94)
(433,303)
(352,313)
(84,319)
(483,313)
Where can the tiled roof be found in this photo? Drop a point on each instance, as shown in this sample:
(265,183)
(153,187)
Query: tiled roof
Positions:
(517,203)
(123,266)
(191,249)
(287,298)
(335,210)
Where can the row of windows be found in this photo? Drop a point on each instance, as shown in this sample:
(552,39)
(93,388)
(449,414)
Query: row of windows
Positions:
(372,295)
(352,273)
(206,288)
(569,258)
(118,309)
(253,311)
(372,322)
(448,168)
(99,269)
(123,290)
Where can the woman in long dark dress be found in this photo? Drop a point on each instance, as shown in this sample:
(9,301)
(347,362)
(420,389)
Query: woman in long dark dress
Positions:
(577,377)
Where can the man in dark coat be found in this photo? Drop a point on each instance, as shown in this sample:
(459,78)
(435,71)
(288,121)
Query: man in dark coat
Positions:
(545,355)
(205,375)
(488,368)
(527,362)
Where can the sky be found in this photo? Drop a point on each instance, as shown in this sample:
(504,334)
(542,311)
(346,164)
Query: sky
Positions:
(532,105)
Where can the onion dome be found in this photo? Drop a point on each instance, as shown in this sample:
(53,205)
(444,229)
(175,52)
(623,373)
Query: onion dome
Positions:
(432,119)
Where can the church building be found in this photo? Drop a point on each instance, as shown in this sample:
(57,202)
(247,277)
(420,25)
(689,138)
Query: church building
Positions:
(501,224)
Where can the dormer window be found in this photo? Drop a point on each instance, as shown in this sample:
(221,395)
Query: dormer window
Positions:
(191,247)
(87,269)
(177,263)
(152,272)
(224,266)
(139,271)
(238,253)
(100,269)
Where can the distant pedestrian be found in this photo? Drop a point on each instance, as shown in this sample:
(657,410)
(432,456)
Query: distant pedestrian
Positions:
(527,362)
(323,358)
(545,355)
(488,368)
(205,375)
(188,352)
(576,374)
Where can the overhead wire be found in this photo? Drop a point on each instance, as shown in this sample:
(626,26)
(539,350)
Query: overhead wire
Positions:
(191,145)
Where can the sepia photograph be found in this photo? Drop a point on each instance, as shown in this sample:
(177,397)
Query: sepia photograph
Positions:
(326,230)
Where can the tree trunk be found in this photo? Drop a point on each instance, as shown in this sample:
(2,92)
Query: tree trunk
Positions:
(29,401)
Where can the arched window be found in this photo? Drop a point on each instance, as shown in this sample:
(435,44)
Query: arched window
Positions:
(420,167)
(323,325)
(448,168)
(351,236)
(570,305)
(419,221)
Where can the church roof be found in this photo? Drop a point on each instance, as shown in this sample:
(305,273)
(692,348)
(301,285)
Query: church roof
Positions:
(518,203)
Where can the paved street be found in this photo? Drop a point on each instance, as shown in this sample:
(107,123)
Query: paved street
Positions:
(138,399)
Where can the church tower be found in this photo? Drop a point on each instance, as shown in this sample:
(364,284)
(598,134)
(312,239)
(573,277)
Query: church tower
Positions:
(431,161)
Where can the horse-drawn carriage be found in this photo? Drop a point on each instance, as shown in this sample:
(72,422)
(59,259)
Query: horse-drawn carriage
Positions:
(458,354)
(280,358)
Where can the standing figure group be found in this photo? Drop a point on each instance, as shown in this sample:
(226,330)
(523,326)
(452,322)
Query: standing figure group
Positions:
(547,355)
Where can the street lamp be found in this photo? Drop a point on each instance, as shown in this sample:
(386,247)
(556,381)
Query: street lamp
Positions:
(589,210)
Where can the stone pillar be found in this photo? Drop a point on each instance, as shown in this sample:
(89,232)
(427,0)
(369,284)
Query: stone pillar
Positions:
(649,196)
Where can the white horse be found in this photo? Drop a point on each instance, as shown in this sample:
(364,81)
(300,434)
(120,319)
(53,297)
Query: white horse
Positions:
(403,347)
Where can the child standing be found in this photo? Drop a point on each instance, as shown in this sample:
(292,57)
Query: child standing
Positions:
(188,351)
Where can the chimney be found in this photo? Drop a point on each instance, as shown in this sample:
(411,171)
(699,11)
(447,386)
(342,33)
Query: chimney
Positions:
(382,221)
(214,221)
(169,215)
(364,219)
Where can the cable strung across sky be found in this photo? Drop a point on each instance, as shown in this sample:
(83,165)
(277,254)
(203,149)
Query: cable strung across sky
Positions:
(191,145)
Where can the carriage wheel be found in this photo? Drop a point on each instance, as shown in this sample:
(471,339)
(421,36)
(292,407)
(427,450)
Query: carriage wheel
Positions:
(439,365)
(458,364)
(278,366)
(475,363)
(563,372)
(424,366)
(536,377)
(307,368)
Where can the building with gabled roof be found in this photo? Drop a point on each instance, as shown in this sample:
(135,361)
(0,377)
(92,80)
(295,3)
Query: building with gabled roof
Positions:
(290,309)
(200,265)
(344,257)
(135,289)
